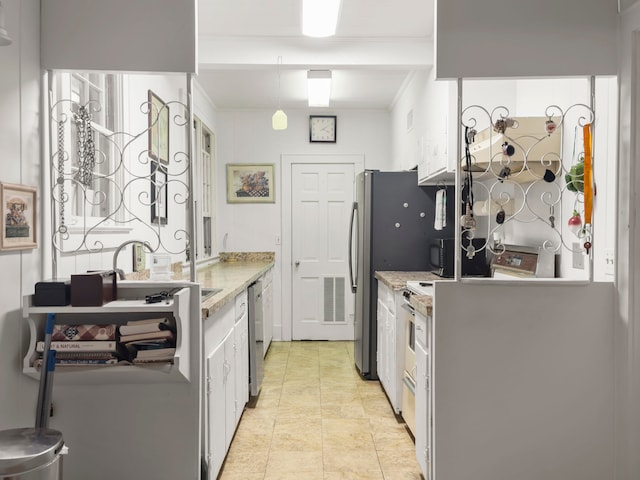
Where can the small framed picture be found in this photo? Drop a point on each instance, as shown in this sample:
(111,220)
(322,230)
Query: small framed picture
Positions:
(158,129)
(250,183)
(19,204)
(159,194)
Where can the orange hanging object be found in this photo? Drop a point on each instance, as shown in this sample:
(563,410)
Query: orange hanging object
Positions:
(588,175)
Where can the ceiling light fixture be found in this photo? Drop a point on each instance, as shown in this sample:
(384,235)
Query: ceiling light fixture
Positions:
(279,119)
(319,87)
(320,17)
(5,39)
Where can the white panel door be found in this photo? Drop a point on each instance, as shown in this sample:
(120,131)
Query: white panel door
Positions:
(322,195)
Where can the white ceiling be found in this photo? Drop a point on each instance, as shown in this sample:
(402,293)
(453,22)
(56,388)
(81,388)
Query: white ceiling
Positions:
(377,44)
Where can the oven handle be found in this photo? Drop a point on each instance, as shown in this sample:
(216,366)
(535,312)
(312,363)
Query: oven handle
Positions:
(407,306)
(410,385)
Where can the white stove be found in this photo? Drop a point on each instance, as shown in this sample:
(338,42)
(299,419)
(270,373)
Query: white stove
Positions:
(418,287)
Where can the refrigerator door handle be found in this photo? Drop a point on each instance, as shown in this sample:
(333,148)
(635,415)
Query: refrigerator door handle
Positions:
(354,280)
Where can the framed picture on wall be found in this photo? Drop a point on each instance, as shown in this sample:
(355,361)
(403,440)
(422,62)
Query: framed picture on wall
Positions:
(159,194)
(158,129)
(19,214)
(250,183)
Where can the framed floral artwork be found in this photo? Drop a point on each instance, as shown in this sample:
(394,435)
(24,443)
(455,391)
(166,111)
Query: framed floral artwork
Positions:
(250,183)
(19,213)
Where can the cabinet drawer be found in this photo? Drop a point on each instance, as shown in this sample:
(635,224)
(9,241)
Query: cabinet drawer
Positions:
(241,305)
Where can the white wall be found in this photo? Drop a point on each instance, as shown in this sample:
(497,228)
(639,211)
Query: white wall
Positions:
(433,107)
(246,137)
(20,160)
(627,334)
(502,38)
(125,35)
(172,90)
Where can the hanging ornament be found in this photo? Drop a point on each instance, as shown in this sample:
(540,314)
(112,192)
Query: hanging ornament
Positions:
(575,223)
(550,126)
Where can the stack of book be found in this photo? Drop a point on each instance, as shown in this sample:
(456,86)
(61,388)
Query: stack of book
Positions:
(149,341)
(85,344)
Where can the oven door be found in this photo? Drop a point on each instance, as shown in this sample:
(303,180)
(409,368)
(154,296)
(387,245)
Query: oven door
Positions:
(409,339)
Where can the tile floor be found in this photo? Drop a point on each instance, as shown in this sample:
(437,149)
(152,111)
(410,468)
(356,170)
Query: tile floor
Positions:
(317,420)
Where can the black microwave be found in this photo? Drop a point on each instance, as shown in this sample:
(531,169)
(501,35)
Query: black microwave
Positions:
(442,258)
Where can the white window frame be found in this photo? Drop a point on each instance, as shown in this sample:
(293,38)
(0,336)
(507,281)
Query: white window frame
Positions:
(204,190)
(76,222)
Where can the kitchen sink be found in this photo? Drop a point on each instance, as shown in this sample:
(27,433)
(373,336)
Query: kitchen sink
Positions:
(206,293)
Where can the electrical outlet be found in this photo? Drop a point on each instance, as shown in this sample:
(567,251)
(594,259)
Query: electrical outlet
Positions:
(609,262)
(138,257)
(578,257)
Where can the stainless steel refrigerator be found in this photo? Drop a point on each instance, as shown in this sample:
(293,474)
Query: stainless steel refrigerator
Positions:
(391,229)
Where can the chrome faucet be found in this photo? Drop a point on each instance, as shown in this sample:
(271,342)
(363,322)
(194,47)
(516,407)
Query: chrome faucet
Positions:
(117,252)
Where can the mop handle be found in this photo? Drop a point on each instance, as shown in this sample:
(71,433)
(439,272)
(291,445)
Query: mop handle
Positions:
(41,415)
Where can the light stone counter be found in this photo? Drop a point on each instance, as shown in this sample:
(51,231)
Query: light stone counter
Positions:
(423,304)
(398,280)
(233,274)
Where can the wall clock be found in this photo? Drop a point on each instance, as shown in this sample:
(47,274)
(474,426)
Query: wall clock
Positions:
(322,128)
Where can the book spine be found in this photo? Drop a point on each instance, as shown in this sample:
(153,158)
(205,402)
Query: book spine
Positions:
(81,346)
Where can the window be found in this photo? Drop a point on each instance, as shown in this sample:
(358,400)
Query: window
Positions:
(91,103)
(204,152)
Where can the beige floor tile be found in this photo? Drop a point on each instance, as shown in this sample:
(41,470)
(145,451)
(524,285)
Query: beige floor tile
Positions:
(343,460)
(316,419)
(375,475)
(292,461)
(294,475)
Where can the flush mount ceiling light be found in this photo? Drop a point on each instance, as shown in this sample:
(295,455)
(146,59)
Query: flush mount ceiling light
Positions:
(319,87)
(320,17)
(279,119)
(5,39)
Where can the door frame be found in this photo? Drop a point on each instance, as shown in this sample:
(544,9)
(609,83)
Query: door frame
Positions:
(287,161)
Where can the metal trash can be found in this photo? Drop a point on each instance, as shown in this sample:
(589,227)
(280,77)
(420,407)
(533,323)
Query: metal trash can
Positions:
(31,454)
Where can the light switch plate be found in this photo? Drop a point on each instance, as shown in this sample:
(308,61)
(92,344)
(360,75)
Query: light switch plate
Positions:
(138,257)
(578,257)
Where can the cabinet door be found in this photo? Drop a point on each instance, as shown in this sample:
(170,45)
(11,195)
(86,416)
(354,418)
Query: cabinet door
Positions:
(229,380)
(267,312)
(241,333)
(423,408)
(382,352)
(216,410)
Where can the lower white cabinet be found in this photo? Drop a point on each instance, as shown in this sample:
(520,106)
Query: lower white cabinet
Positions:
(267,309)
(424,398)
(226,379)
(391,335)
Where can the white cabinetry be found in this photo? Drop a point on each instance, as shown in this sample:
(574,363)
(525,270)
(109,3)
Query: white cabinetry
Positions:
(121,420)
(227,378)
(390,353)
(267,309)
(424,424)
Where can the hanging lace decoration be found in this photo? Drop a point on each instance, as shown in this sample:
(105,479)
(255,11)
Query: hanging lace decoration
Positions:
(86,147)
(60,178)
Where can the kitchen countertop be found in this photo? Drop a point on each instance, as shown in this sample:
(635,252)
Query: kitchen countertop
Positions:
(398,280)
(233,275)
